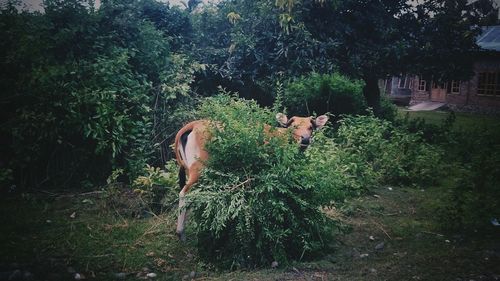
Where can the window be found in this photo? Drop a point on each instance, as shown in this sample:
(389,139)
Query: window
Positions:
(402,81)
(422,85)
(454,87)
(405,82)
(488,84)
(387,86)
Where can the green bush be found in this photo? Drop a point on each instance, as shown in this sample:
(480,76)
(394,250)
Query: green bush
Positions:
(322,93)
(388,110)
(430,133)
(469,197)
(259,198)
(396,156)
(344,169)
(471,192)
(90,91)
(96,112)
(157,187)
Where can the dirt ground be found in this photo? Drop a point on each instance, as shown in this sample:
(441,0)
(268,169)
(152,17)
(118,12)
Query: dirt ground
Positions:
(393,235)
(390,234)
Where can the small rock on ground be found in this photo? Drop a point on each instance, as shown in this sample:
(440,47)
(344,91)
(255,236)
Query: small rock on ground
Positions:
(380,246)
(120,275)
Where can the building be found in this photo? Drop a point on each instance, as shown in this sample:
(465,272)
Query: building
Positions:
(480,94)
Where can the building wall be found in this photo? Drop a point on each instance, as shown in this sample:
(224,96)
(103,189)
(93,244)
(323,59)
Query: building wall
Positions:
(476,100)
(418,96)
(467,99)
(399,87)
(461,98)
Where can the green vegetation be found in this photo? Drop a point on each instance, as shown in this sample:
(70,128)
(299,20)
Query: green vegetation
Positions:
(85,89)
(396,155)
(324,93)
(470,171)
(461,121)
(89,233)
(97,241)
(258,203)
(92,98)
(261,203)
(90,90)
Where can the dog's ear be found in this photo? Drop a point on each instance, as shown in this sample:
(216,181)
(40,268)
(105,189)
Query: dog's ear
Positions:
(320,121)
(282,119)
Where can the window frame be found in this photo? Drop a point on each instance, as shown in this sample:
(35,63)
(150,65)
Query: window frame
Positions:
(407,81)
(488,84)
(422,86)
(455,85)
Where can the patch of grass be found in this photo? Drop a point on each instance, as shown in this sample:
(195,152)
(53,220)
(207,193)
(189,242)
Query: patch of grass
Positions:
(463,121)
(48,235)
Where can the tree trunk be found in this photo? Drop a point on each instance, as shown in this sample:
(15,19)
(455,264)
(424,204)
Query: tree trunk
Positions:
(371,92)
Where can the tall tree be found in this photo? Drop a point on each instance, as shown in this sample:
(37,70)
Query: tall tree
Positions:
(446,43)
(249,46)
(370,38)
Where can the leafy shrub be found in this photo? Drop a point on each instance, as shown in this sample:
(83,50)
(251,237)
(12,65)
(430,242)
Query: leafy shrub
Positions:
(325,93)
(97,110)
(154,191)
(470,197)
(431,133)
(259,198)
(158,187)
(469,191)
(343,168)
(92,90)
(397,156)
(388,110)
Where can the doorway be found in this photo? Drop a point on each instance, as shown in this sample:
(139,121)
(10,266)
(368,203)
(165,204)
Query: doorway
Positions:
(438,92)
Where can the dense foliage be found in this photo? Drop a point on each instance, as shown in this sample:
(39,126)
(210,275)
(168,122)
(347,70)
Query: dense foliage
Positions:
(397,156)
(467,173)
(249,49)
(87,91)
(260,198)
(324,93)
(470,200)
(371,39)
(257,202)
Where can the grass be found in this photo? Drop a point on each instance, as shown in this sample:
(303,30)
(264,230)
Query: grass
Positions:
(49,234)
(463,121)
(100,242)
